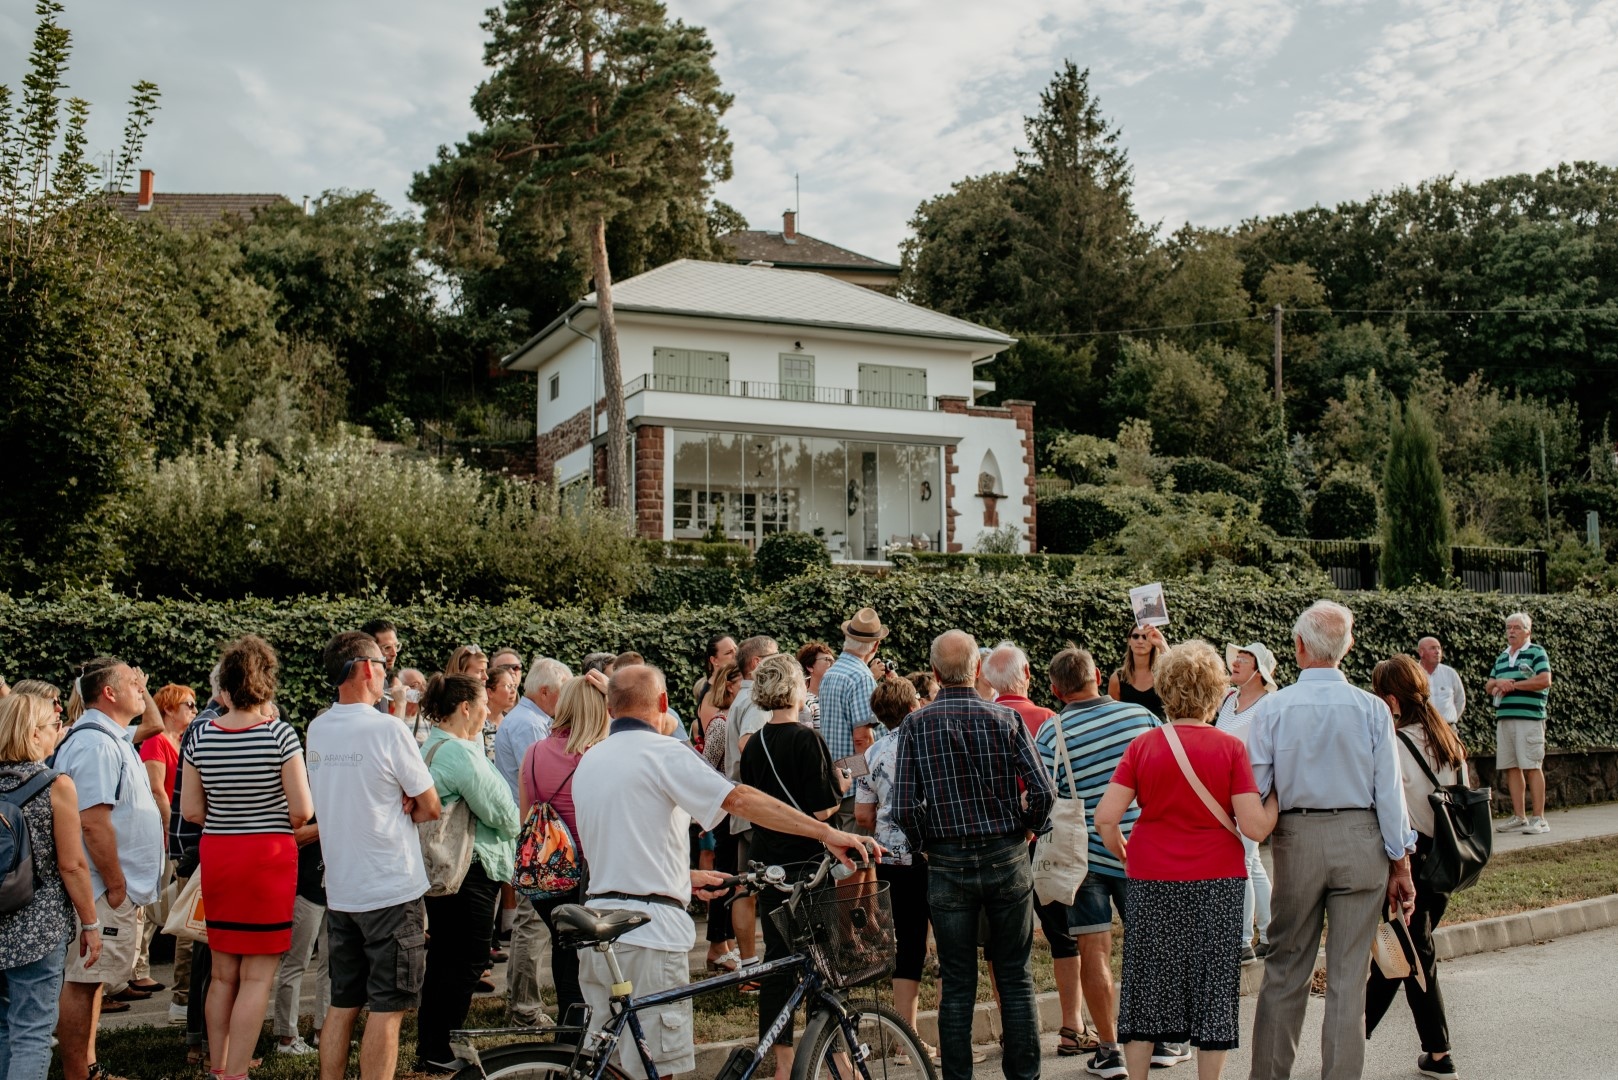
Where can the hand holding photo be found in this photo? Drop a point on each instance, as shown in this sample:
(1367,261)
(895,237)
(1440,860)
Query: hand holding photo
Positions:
(1150,608)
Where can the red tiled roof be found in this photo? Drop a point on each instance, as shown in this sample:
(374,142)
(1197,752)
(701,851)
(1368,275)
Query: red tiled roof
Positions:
(192,211)
(756,245)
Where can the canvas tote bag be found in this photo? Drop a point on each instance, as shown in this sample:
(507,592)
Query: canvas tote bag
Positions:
(1062,855)
(446,844)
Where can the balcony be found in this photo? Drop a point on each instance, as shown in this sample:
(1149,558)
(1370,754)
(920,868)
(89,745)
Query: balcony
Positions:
(767,391)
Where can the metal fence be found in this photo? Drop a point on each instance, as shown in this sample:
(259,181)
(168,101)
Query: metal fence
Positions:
(769,391)
(1355,564)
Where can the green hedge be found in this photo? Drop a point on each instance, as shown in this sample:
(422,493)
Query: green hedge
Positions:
(936,562)
(177,640)
(1071,521)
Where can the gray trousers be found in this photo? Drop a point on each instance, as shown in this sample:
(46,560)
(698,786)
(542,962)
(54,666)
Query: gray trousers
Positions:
(308,927)
(529,941)
(1329,867)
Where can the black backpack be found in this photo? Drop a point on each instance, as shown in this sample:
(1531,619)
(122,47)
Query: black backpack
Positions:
(1463,831)
(16,844)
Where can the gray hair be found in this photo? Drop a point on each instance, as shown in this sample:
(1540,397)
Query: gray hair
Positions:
(751,651)
(213,681)
(1005,668)
(1523,617)
(1325,631)
(954,656)
(545,674)
(859,647)
(778,682)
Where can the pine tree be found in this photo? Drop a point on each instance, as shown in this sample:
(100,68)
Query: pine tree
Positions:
(596,109)
(1280,491)
(1416,530)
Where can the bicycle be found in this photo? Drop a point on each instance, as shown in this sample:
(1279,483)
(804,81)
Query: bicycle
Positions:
(842,937)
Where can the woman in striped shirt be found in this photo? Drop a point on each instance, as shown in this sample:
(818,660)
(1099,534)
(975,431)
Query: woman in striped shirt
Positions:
(245,785)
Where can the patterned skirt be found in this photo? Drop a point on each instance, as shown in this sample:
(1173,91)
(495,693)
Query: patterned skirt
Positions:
(248,886)
(1182,963)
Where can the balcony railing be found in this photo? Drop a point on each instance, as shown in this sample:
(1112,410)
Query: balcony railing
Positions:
(767,391)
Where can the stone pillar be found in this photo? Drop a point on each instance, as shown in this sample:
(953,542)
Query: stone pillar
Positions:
(649,482)
(955,405)
(1023,413)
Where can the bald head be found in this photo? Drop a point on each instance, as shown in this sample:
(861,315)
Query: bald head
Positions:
(954,658)
(637,692)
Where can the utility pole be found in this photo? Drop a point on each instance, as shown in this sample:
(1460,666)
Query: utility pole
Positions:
(1276,311)
(1545,485)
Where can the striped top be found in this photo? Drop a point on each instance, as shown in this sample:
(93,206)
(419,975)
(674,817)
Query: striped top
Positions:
(241,776)
(1098,731)
(1521,704)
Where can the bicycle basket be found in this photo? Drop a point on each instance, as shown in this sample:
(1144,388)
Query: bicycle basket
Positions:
(846,930)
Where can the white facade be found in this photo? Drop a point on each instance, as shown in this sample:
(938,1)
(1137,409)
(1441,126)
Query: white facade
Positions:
(848,417)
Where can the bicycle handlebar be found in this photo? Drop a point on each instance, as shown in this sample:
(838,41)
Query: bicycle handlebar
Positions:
(763,877)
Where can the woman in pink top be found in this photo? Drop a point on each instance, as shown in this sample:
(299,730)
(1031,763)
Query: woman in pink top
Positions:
(547,776)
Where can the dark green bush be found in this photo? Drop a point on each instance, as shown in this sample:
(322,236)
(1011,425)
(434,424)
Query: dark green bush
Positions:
(1195,475)
(1415,513)
(689,552)
(936,562)
(178,640)
(1073,520)
(786,555)
(1344,509)
(670,588)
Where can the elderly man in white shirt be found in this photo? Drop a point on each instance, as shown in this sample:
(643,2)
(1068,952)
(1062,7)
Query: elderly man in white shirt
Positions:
(1326,750)
(1443,681)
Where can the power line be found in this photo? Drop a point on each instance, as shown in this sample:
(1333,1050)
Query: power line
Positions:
(1611,312)
(1154,329)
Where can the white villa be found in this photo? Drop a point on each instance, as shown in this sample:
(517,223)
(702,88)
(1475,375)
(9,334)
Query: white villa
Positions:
(766,400)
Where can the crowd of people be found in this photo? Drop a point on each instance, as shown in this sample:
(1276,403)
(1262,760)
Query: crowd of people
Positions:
(327,854)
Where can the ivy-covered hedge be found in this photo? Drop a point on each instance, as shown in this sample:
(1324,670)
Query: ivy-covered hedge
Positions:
(938,562)
(178,640)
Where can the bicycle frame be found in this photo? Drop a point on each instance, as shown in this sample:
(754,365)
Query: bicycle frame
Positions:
(626,1009)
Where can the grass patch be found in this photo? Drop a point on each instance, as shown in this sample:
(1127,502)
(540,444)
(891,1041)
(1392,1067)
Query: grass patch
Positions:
(1514,881)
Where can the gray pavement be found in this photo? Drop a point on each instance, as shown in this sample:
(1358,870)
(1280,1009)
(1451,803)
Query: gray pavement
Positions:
(1578,823)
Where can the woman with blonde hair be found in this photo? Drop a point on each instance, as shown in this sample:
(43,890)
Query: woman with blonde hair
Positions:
(547,776)
(1402,683)
(468,660)
(1186,867)
(34,938)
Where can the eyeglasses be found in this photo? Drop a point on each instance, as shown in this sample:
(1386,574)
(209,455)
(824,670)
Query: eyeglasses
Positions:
(51,725)
(189,705)
(367,661)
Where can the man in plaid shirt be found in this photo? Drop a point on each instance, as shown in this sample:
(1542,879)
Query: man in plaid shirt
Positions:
(957,770)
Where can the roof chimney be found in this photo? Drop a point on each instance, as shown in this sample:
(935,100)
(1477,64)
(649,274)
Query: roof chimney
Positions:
(146,192)
(789,226)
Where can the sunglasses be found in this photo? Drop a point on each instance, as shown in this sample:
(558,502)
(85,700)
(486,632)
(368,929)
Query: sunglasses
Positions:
(473,650)
(1137,637)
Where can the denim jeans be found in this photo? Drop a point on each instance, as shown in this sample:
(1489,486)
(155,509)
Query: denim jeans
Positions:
(991,876)
(28,998)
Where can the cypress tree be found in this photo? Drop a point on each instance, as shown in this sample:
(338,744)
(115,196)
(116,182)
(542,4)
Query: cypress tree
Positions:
(1280,491)
(1416,531)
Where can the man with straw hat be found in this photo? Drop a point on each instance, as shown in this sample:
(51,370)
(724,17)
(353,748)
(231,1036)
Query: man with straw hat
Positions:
(845,697)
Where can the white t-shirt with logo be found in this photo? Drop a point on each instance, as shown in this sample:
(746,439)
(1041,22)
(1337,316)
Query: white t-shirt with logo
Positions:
(634,796)
(362,763)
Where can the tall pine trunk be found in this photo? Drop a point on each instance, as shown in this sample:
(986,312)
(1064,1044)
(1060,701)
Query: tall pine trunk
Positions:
(612,374)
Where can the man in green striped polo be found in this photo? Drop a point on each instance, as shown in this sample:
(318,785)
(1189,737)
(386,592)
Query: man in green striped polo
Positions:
(1520,684)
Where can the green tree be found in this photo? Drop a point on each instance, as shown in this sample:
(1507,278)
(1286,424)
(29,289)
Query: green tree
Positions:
(1280,490)
(73,357)
(595,109)
(1416,533)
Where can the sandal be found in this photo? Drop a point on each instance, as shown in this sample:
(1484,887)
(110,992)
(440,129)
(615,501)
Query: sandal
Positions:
(99,1071)
(1073,1043)
(726,963)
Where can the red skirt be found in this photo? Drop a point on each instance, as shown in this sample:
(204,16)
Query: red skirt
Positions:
(248,886)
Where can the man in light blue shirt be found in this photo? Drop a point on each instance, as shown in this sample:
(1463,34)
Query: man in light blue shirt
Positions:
(527,723)
(1342,846)
(123,836)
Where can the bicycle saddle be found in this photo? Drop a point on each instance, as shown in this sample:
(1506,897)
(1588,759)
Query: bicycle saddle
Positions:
(578,926)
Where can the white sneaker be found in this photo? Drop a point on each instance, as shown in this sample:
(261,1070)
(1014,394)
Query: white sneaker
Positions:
(1536,825)
(177,1014)
(1516,824)
(297,1046)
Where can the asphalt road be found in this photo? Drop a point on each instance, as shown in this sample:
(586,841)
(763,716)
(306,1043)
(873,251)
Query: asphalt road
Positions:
(1528,1013)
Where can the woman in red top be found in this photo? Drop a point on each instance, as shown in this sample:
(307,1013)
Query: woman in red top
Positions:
(1187,870)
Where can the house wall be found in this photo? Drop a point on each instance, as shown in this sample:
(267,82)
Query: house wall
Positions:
(1007,433)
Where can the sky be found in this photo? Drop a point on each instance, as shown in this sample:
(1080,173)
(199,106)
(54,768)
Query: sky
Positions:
(1228,108)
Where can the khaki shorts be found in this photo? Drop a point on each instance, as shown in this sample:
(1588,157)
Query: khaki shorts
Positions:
(1519,744)
(120,942)
(668,1030)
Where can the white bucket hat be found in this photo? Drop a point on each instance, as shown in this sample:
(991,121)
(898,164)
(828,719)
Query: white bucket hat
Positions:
(1261,654)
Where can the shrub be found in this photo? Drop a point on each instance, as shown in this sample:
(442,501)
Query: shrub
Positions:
(787,555)
(1193,475)
(1069,523)
(178,640)
(1006,540)
(1344,509)
(1280,490)
(1415,514)
(934,562)
(1205,534)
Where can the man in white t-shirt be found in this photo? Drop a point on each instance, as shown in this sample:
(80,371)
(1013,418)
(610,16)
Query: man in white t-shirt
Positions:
(1443,682)
(370,787)
(635,795)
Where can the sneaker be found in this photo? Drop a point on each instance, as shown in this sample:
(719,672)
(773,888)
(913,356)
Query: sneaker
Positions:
(1533,827)
(1167,1054)
(1514,824)
(1263,950)
(1107,1061)
(297,1047)
(177,1014)
(1248,955)
(1445,1066)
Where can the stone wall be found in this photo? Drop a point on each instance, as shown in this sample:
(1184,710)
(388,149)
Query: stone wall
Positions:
(649,481)
(1572,778)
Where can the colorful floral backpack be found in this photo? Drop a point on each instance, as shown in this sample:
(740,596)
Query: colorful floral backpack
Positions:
(549,862)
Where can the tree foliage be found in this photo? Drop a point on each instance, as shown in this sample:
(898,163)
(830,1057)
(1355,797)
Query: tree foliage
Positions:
(1415,513)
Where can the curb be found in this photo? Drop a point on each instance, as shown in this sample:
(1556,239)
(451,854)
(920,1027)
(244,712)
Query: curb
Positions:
(1461,939)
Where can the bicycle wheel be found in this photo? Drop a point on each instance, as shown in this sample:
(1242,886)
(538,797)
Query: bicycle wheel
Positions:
(531,1061)
(895,1051)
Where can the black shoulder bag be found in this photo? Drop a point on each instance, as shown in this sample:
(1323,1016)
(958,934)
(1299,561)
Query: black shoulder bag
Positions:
(1463,831)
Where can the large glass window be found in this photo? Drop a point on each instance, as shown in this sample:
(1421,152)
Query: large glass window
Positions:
(861,499)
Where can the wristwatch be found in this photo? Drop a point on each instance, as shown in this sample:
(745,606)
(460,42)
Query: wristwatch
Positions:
(96,926)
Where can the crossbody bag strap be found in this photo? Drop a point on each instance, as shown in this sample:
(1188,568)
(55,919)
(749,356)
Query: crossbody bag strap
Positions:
(1196,783)
(762,741)
(563,784)
(1421,760)
(1064,763)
